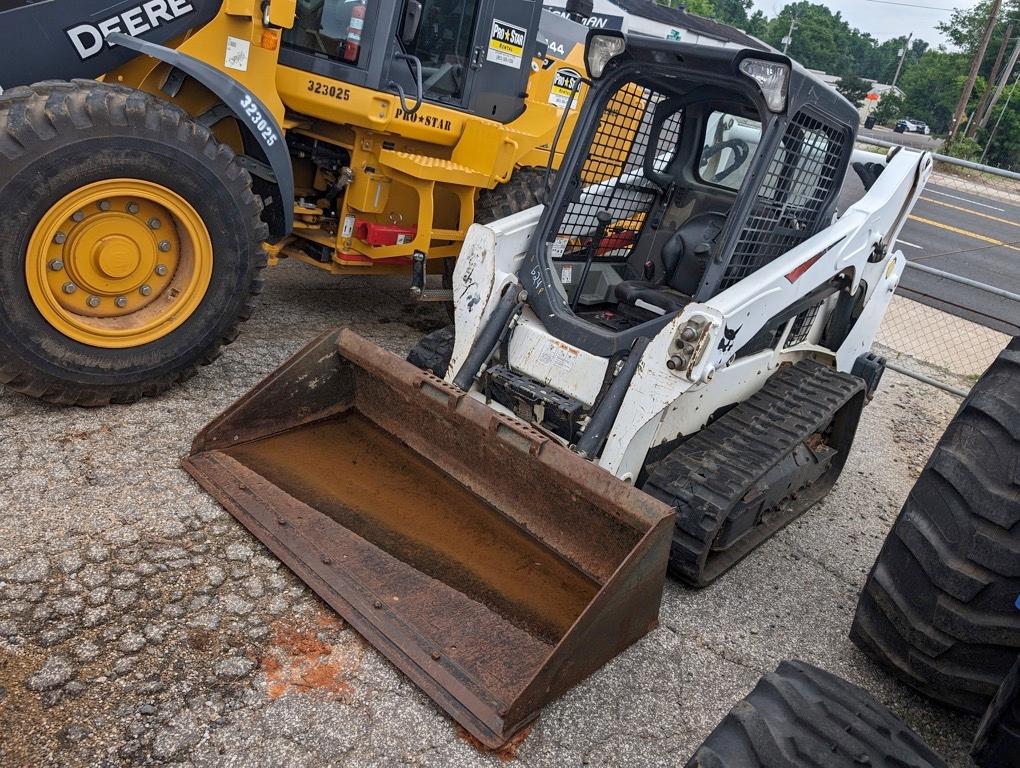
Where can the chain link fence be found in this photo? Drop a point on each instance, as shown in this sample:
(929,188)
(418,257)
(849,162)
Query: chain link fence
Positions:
(958,303)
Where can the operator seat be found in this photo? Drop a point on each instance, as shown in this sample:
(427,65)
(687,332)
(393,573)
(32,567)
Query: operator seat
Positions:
(684,259)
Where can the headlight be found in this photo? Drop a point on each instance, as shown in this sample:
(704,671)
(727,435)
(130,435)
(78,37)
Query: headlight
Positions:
(772,77)
(601,49)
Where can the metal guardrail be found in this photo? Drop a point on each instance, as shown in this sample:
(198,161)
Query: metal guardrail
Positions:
(945,158)
(945,326)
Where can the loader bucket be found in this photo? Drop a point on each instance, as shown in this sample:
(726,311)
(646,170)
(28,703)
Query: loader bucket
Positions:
(489,563)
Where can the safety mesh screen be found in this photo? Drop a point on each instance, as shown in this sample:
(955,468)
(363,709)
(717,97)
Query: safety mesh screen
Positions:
(802,325)
(800,180)
(612,181)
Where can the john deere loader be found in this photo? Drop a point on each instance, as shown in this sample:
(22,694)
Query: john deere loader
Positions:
(659,368)
(359,136)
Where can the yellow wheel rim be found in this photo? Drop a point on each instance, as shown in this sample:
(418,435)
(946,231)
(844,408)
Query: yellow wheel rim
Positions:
(119,263)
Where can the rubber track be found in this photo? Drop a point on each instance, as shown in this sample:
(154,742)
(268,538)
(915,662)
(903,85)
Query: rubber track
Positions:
(78,99)
(803,717)
(939,606)
(997,744)
(709,473)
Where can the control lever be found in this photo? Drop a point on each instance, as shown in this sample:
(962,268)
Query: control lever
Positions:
(605,218)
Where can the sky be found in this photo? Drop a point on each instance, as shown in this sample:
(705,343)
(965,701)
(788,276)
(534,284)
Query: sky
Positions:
(886,19)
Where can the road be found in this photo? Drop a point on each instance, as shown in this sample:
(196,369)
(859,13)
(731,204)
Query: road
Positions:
(916,140)
(967,230)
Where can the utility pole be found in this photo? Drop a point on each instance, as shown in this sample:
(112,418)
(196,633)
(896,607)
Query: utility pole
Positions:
(903,56)
(987,115)
(975,66)
(1005,106)
(982,110)
(789,35)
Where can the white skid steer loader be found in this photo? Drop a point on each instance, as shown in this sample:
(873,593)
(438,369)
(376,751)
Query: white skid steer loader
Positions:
(661,366)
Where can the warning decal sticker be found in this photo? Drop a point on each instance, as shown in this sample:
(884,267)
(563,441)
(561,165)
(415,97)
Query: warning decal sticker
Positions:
(564,83)
(506,44)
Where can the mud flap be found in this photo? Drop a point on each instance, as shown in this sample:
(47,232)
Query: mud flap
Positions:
(494,567)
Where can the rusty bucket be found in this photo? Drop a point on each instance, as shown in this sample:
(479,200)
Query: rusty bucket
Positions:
(490,564)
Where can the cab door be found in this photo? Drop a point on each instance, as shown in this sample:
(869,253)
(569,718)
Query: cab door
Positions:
(505,43)
(444,45)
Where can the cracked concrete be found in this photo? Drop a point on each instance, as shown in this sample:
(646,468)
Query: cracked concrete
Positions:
(139,624)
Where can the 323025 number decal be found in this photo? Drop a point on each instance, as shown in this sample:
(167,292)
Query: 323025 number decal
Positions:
(261,123)
(333,91)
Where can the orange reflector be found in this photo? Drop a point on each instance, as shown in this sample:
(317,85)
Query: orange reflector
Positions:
(270,39)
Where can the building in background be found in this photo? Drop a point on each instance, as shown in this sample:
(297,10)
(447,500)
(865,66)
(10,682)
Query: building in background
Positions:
(645,17)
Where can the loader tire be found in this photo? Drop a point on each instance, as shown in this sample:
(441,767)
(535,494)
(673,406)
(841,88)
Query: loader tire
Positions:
(131,248)
(800,716)
(523,190)
(940,606)
(433,351)
(997,744)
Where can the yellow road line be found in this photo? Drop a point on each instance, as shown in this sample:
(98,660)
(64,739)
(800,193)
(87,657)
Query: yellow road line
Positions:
(973,213)
(964,232)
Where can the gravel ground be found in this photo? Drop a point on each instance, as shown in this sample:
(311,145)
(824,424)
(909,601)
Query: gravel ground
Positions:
(139,624)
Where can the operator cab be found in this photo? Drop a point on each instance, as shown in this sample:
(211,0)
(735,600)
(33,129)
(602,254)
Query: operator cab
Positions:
(464,54)
(696,166)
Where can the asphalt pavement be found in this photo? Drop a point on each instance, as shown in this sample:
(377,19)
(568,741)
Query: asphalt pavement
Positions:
(141,625)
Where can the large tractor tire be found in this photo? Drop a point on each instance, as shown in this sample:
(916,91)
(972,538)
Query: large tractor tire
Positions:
(131,247)
(522,191)
(940,607)
(997,744)
(802,717)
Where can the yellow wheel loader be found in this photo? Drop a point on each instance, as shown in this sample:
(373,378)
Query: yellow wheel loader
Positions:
(360,136)
(657,369)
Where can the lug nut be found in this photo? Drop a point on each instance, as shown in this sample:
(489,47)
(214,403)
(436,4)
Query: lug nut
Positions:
(60,238)
(92,301)
(164,246)
(70,288)
(155,223)
(56,265)
(145,290)
(78,216)
(121,301)
(104,205)
(132,208)
(688,334)
(161,269)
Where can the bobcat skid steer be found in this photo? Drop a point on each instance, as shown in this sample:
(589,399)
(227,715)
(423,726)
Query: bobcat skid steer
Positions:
(663,365)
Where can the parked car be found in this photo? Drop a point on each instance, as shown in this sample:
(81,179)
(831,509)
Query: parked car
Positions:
(909,125)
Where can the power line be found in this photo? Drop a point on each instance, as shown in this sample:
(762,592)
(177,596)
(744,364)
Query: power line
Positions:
(911,5)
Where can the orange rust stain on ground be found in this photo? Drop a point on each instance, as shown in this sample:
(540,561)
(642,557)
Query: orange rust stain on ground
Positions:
(505,754)
(298,661)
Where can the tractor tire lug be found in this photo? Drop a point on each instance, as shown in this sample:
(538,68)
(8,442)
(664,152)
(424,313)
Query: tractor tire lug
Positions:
(164,246)
(92,301)
(121,301)
(103,205)
(56,265)
(69,288)
(145,290)
(161,270)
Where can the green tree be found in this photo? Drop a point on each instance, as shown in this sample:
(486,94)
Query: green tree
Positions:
(889,109)
(853,88)
(933,85)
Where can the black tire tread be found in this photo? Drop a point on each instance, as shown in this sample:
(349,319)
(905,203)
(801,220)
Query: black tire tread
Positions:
(803,717)
(938,606)
(521,191)
(44,109)
(997,743)
(433,351)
